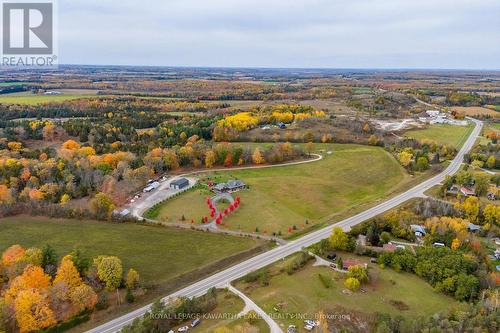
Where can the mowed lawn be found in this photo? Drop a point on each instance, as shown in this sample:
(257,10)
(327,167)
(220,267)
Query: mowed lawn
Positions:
(158,253)
(282,197)
(191,205)
(287,196)
(304,293)
(442,134)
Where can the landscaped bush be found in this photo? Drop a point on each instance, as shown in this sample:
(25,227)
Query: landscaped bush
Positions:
(327,283)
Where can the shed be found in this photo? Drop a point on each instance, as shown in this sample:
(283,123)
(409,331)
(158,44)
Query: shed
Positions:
(179,184)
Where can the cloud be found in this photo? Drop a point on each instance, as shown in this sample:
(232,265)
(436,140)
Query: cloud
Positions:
(282,33)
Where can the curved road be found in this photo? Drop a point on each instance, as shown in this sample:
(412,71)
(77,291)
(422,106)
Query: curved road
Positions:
(222,278)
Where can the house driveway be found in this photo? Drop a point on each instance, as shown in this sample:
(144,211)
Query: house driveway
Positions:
(250,305)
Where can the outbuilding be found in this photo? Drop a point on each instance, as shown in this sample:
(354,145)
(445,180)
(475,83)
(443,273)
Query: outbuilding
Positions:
(179,184)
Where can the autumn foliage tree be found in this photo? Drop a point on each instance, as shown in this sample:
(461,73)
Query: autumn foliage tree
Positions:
(102,206)
(32,311)
(257,156)
(339,240)
(132,279)
(68,274)
(109,270)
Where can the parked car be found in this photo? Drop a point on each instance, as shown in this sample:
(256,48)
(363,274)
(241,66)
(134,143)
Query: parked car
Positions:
(308,328)
(373,260)
(183,329)
(291,329)
(438,244)
(195,322)
(332,256)
(171,331)
(400,247)
(310,323)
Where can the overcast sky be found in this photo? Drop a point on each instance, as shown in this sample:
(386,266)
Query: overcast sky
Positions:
(282,33)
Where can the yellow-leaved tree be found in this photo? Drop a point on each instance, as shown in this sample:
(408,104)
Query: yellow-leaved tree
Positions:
(68,274)
(132,279)
(257,157)
(109,270)
(209,159)
(32,311)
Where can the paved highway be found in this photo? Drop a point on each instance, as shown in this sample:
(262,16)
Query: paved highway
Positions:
(222,278)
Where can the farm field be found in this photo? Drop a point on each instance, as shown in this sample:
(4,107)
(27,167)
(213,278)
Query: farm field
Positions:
(33,99)
(475,111)
(442,134)
(282,197)
(304,293)
(12,83)
(158,253)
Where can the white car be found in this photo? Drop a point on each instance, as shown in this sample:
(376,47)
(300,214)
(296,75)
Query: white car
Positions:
(308,327)
(183,329)
(310,323)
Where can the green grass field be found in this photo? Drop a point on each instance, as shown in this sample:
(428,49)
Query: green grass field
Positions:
(33,99)
(158,253)
(443,134)
(12,83)
(282,197)
(304,293)
(191,205)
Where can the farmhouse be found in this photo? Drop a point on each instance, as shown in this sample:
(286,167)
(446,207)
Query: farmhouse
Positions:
(179,184)
(230,186)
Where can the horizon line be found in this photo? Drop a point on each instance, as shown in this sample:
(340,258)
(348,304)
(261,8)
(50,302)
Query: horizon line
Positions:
(294,68)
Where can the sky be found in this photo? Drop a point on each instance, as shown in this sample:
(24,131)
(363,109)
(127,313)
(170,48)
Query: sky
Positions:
(461,34)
